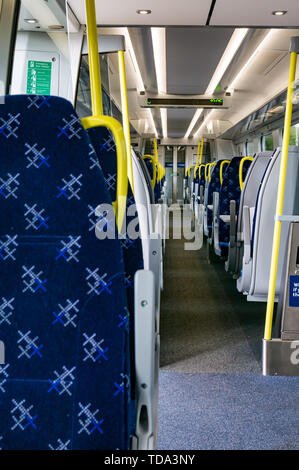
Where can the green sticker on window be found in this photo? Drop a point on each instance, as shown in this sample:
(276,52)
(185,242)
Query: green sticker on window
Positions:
(39,77)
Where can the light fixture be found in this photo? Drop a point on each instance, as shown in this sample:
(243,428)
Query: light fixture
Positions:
(228,55)
(153,122)
(55,27)
(163,112)
(256,51)
(204,122)
(159,50)
(31,21)
(279,12)
(140,84)
(144,12)
(130,48)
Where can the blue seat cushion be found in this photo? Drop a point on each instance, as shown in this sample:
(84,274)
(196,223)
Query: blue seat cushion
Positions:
(63,317)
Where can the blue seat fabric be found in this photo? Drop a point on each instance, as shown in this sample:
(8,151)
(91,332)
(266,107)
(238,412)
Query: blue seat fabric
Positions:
(63,316)
(104,145)
(230,190)
(214,186)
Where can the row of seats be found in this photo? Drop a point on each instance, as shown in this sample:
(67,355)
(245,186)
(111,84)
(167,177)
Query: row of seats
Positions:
(236,210)
(79,311)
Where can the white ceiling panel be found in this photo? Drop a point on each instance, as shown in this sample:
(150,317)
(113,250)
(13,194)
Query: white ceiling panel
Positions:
(164,12)
(255,13)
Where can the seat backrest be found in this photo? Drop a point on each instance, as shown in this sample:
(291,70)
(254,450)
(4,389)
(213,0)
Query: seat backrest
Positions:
(144,207)
(264,222)
(104,145)
(213,186)
(63,315)
(147,178)
(230,190)
(252,183)
(214,183)
(201,178)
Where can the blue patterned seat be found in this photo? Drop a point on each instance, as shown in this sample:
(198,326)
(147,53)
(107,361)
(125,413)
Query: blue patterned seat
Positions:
(230,190)
(157,187)
(201,178)
(63,314)
(214,186)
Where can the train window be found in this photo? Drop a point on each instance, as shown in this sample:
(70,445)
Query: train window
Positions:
(41,63)
(267,142)
(83,103)
(249,148)
(294,135)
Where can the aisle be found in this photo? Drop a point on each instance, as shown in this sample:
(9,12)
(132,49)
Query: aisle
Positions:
(206,324)
(212,393)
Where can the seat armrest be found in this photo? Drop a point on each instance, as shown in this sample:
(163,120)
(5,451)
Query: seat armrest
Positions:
(233,225)
(216,223)
(155,260)
(246,234)
(145,360)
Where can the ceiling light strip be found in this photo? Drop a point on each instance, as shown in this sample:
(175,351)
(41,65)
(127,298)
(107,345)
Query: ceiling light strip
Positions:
(159,51)
(205,121)
(260,46)
(163,112)
(140,84)
(228,55)
(153,122)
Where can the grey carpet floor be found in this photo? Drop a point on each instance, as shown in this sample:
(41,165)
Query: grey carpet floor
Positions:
(228,411)
(212,392)
(206,324)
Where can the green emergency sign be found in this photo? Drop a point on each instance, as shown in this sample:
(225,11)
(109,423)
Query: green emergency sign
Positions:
(39,77)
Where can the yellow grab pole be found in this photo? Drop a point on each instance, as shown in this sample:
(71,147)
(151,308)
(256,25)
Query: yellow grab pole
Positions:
(156,150)
(207,170)
(201,151)
(221,170)
(121,154)
(125,113)
(280,198)
(198,154)
(244,159)
(94,61)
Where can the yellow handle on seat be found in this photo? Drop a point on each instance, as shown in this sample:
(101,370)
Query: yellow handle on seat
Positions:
(156,150)
(154,168)
(241,170)
(189,170)
(122,167)
(221,170)
(207,170)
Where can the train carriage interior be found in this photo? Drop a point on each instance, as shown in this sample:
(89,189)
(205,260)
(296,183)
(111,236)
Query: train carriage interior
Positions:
(149,242)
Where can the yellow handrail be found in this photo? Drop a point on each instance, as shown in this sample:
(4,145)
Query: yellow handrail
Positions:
(221,170)
(160,172)
(210,166)
(122,168)
(207,170)
(189,170)
(241,182)
(156,150)
(94,61)
(197,170)
(154,179)
(125,114)
(199,156)
(201,151)
(280,197)
(98,120)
